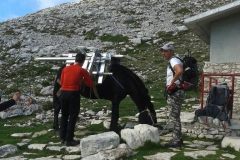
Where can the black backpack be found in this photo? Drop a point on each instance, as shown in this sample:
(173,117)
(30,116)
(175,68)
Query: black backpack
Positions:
(190,75)
(218,104)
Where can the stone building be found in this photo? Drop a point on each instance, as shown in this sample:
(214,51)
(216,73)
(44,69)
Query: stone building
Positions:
(220,28)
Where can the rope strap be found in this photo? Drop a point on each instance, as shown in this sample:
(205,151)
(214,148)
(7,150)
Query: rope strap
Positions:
(150,115)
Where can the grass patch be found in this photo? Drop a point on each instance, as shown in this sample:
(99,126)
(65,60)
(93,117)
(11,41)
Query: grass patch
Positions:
(9,130)
(17,45)
(84,17)
(9,32)
(116,38)
(144,150)
(96,128)
(183,11)
(90,35)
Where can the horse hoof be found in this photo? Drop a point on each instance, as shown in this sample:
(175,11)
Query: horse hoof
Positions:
(57,133)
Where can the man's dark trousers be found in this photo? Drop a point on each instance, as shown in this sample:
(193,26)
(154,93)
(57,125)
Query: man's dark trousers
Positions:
(70,106)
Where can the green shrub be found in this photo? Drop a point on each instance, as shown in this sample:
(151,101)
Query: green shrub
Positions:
(46,83)
(183,11)
(116,38)
(84,17)
(91,35)
(10,32)
(17,45)
(12,89)
(37,91)
(47,105)
(122,10)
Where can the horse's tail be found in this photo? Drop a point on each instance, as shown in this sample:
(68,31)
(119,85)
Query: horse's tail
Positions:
(57,85)
(56,104)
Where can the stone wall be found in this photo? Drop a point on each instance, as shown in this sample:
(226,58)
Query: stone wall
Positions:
(224,68)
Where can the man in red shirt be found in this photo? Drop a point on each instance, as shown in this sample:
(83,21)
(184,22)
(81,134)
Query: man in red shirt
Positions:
(71,78)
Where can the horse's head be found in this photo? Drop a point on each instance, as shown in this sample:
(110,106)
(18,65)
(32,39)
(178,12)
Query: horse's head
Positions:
(147,117)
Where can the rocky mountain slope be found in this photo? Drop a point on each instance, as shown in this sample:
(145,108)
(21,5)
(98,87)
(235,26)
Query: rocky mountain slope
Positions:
(137,28)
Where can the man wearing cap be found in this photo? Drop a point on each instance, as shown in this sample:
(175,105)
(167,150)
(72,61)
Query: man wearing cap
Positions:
(175,94)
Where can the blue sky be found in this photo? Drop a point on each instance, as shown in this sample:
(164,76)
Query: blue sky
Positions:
(17,8)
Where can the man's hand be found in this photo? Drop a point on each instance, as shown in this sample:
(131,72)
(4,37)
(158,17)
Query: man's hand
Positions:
(16,96)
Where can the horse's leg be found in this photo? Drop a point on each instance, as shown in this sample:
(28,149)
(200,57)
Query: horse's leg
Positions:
(55,120)
(115,111)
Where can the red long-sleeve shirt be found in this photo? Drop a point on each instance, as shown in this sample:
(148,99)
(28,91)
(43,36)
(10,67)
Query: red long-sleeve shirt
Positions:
(72,76)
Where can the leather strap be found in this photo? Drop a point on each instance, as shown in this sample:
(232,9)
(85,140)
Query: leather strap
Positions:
(95,91)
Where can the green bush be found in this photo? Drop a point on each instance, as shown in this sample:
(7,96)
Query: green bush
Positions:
(91,35)
(47,105)
(37,91)
(116,38)
(183,11)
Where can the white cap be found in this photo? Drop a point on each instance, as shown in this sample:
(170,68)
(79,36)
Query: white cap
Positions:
(167,47)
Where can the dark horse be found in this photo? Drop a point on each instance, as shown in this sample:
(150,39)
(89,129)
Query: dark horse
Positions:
(115,88)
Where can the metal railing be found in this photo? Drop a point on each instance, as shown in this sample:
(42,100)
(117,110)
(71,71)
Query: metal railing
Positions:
(212,78)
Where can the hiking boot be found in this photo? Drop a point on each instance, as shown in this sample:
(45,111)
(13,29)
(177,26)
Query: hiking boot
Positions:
(229,122)
(181,141)
(195,119)
(62,141)
(72,143)
(174,144)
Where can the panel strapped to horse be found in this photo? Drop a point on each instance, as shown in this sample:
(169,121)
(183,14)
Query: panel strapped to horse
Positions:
(95,64)
(218,103)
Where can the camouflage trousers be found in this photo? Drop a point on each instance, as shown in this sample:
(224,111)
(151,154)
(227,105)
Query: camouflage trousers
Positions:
(174,106)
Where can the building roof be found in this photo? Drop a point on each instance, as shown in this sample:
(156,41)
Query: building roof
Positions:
(201,23)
